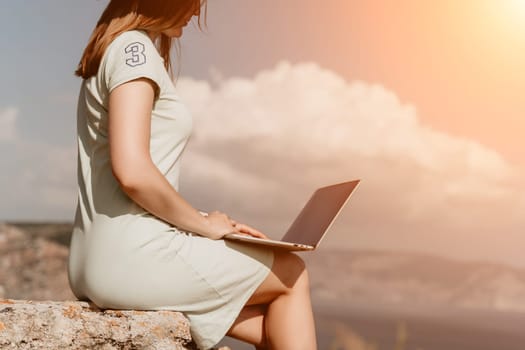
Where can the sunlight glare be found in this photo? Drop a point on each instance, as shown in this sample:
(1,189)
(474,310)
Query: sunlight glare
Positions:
(504,22)
(514,11)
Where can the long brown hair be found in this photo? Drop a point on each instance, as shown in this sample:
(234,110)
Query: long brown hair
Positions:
(123,15)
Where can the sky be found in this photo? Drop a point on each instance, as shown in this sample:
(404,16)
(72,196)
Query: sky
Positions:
(421,100)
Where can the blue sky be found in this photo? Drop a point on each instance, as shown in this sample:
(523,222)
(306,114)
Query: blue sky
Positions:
(43,39)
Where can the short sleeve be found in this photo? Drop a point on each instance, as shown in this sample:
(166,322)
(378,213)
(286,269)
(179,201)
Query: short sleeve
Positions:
(130,56)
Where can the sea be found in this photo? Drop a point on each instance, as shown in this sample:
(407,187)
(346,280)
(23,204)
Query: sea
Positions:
(350,326)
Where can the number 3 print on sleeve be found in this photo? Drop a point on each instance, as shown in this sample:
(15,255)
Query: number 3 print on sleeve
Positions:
(135,52)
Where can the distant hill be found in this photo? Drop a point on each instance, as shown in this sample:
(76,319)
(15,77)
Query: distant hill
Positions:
(32,265)
(59,232)
(415,280)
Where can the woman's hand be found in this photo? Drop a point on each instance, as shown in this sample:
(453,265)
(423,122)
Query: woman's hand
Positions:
(219,225)
(247,230)
(218,221)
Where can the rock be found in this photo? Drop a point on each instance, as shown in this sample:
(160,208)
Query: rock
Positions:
(81,325)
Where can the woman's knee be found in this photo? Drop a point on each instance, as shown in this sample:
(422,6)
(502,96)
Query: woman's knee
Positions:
(288,273)
(290,269)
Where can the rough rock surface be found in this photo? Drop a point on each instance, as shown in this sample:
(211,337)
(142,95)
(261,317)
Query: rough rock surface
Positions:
(81,325)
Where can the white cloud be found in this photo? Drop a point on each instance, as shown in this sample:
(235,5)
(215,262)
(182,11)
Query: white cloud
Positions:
(302,126)
(311,111)
(8,118)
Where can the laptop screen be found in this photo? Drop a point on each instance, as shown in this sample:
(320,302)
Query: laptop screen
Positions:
(319,212)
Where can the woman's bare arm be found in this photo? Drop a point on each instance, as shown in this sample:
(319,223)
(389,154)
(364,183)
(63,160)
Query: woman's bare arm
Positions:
(130,106)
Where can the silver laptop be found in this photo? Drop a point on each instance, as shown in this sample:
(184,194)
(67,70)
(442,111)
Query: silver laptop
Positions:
(312,223)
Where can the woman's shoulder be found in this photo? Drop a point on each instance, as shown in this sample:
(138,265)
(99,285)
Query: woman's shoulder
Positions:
(130,37)
(131,54)
(133,34)
(133,47)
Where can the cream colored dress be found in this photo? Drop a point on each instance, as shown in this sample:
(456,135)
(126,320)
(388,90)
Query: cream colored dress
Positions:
(122,257)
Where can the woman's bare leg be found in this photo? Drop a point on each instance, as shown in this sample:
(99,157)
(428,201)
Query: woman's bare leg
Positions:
(249,326)
(288,322)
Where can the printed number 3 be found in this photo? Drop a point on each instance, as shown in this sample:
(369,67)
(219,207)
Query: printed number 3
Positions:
(136,51)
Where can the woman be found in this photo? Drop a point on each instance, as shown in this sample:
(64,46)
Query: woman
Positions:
(136,243)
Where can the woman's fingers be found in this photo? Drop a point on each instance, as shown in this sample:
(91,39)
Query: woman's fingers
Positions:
(224,225)
(243,228)
(236,226)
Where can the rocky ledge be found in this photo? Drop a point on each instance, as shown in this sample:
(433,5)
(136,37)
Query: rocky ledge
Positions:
(26,324)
